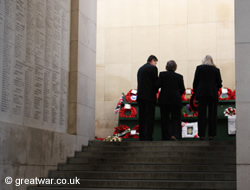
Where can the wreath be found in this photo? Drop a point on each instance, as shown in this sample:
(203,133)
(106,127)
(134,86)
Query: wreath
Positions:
(130,97)
(132,114)
(229,92)
(124,131)
(233,95)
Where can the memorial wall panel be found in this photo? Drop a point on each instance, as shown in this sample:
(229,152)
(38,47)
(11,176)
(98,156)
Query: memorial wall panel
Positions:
(34,62)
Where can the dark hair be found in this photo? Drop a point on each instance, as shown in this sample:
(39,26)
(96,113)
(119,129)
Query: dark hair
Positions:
(152,57)
(171,66)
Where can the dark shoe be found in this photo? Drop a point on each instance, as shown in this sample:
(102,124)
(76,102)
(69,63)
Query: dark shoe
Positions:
(202,138)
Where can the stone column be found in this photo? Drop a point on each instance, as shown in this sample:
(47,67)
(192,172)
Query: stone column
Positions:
(82,69)
(242,56)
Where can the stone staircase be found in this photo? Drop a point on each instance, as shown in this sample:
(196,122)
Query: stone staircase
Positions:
(152,165)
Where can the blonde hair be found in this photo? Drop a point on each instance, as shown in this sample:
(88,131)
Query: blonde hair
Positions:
(208,60)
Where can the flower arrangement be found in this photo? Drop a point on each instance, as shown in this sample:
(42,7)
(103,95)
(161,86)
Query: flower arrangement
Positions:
(187,112)
(229,111)
(113,138)
(124,131)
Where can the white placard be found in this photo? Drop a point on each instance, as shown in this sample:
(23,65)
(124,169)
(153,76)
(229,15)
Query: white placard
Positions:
(127,106)
(231,125)
(189,130)
(188,91)
(134,91)
(224,90)
(133,132)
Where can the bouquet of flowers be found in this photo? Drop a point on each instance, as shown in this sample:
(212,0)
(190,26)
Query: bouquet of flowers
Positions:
(229,111)
(113,138)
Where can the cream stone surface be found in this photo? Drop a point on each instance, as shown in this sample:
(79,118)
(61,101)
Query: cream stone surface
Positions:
(228,77)
(118,13)
(99,113)
(181,30)
(110,105)
(224,40)
(224,11)
(118,74)
(134,70)
(173,12)
(173,42)
(100,56)
(182,68)
(201,40)
(118,45)
(145,41)
(83,70)
(145,13)
(190,72)
(101,12)
(201,11)
(100,69)
(112,93)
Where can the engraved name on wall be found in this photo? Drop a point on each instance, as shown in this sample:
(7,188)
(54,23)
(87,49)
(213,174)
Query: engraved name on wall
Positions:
(34,61)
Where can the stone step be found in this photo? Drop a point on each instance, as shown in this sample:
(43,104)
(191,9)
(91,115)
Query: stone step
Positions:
(160,148)
(148,167)
(82,188)
(200,154)
(200,176)
(152,160)
(151,184)
(164,143)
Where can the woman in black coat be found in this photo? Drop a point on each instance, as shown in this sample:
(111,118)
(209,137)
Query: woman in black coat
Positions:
(207,82)
(170,102)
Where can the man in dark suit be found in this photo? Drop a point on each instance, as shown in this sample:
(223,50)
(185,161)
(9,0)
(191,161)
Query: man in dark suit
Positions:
(146,97)
(207,81)
(172,87)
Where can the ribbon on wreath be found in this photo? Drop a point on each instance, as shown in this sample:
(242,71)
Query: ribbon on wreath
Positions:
(193,105)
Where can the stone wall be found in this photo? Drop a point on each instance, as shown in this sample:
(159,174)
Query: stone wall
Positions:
(242,60)
(47,84)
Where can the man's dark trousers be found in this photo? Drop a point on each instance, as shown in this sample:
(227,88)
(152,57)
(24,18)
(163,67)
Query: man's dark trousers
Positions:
(146,119)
